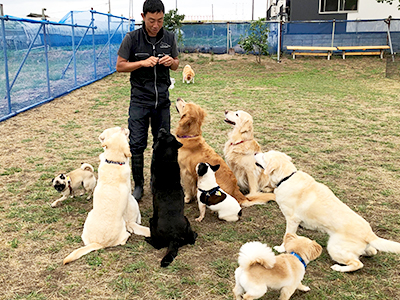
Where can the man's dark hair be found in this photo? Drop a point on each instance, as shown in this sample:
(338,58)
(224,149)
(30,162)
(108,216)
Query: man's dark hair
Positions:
(153,6)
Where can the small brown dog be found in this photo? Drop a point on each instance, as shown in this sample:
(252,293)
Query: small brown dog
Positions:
(260,269)
(68,184)
(188,74)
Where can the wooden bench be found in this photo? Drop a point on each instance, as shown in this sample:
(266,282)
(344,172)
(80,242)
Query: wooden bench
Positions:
(363,50)
(311,50)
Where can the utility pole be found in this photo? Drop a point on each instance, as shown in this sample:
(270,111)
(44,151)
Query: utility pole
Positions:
(252,11)
(109,6)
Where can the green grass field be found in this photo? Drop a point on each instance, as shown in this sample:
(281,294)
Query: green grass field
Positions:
(337,119)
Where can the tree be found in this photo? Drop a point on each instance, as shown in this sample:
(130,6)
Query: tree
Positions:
(256,40)
(173,22)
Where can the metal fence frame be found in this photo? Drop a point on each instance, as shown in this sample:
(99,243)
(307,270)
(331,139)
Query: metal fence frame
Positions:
(44,29)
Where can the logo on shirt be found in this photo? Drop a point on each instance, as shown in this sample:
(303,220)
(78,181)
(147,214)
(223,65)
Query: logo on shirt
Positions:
(164,45)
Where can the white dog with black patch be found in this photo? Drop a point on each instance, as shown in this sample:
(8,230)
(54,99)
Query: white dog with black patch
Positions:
(210,195)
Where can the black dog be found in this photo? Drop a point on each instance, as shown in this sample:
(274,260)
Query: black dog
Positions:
(168,226)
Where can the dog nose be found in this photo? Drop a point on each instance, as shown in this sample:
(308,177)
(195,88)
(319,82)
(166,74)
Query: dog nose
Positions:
(179,99)
(226,111)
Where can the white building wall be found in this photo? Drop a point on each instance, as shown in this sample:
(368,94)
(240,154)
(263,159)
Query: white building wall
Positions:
(371,9)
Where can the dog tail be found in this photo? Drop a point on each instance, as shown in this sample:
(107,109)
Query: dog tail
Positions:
(81,252)
(87,167)
(140,230)
(257,198)
(385,245)
(172,252)
(253,253)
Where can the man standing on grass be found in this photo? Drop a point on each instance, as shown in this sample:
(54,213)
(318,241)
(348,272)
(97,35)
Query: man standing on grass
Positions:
(147,53)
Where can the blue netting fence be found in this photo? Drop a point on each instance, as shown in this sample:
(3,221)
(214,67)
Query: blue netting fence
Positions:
(44,60)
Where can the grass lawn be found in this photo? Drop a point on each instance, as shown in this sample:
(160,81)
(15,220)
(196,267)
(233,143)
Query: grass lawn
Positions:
(337,119)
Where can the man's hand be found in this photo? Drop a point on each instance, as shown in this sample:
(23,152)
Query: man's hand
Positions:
(150,62)
(168,61)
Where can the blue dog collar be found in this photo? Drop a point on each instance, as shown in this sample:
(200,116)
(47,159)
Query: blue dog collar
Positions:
(299,258)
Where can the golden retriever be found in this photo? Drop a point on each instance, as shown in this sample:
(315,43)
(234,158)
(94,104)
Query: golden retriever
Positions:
(195,150)
(188,74)
(259,268)
(239,153)
(304,201)
(115,212)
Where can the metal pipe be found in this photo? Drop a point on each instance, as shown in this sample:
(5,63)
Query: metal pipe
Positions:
(73,46)
(387,21)
(47,59)
(333,31)
(3,27)
(94,48)
(279,39)
(76,49)
(109,42)
(227,37)
(25,57)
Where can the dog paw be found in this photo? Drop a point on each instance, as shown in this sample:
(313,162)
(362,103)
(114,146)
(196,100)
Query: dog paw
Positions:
(338,268)
(199,219)
(187,199)
(280,249)
(303,288)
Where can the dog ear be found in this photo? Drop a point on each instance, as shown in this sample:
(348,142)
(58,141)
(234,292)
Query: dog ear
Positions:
(289,237)
(126,131)
(271,166)
(102,137)
(202,169)
(127,151)
(315,250)
(178,144)
(246,126)
(201,114)
(215,168)
(185,121)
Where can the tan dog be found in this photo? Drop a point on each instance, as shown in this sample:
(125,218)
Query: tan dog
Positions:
(259,268)
(188,74)
(68,184)
(239,153)
(304,201)
(195,150)
(115,212)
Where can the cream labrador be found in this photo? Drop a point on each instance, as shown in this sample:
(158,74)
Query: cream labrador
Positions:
(115,212)
(304,201)
(239,153)
(259,268)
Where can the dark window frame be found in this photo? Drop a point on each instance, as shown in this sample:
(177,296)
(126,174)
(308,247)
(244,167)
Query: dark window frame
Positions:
(337,6)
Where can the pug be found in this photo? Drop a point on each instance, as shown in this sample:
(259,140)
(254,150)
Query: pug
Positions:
(68,184)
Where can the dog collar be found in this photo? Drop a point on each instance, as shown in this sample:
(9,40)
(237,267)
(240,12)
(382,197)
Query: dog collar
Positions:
(114,162)
(69,184)
(300,259)
(186,136)
(284,179)
(234,144)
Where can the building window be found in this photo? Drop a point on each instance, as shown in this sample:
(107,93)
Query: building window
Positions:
(340,6)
